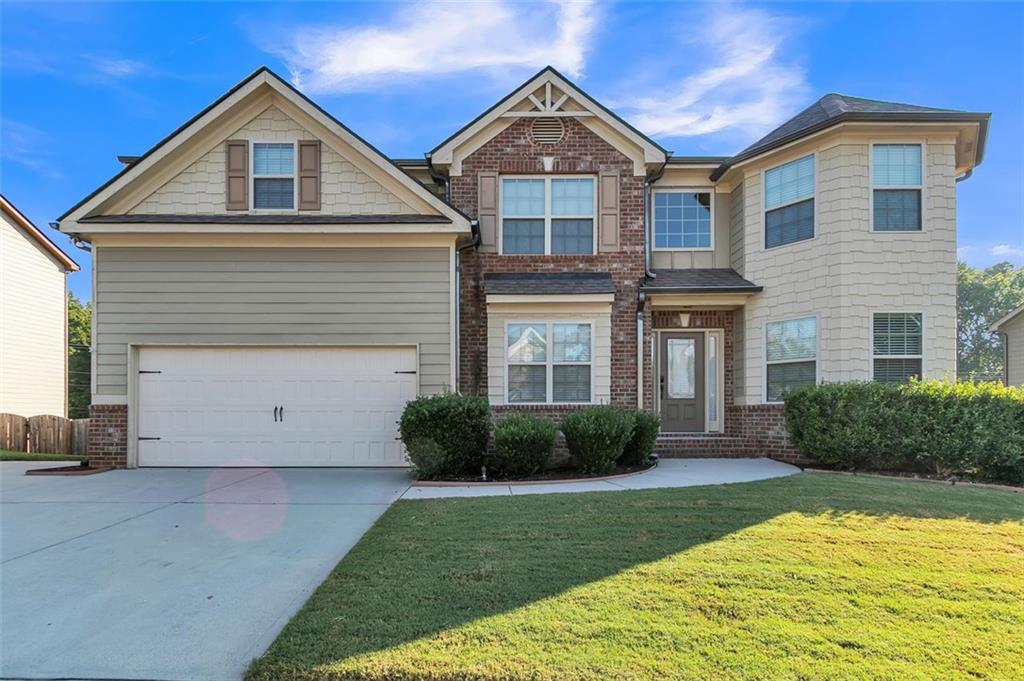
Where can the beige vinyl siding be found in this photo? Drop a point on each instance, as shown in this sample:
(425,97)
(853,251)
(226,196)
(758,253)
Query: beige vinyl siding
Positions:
(601,338)
(32,326)
(736,224)
(688,259)
(1014,330)
(340,296)
(848,272)
(200,188)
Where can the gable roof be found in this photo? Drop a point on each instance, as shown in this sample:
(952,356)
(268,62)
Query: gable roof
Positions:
(994,326)
(835,108)
(261,76)
(549,74)
(38,236)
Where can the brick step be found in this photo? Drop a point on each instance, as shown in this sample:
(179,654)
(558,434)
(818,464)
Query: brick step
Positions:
(705,445)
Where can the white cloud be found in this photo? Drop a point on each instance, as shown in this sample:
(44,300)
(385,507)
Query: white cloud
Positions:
(747,86)
(116,67)
(437,38)
(1007,251)
(27,146)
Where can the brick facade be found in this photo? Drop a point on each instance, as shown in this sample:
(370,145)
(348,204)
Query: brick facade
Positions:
(580,152)
(108,435)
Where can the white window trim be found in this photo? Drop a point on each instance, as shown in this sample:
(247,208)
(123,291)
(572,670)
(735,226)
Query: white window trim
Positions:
(764,200)
(549,362)
(547,217)
(710,191)
(767,362)
(294,177)
(871,340)
(921,187)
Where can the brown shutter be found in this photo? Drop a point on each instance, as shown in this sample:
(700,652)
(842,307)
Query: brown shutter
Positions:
(309,175)
(237,169)
(608,213)
(487,210)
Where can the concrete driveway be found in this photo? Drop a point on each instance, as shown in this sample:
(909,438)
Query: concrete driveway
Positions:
(168,573)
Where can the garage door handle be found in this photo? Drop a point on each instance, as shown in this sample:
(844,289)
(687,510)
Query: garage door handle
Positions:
(282,414)
(405,372)
(275,414)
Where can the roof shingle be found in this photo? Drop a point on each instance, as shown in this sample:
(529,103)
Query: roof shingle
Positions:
(547,283)
(703,280)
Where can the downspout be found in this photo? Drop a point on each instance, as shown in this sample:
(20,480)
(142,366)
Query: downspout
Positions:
(648,181)
(76,239)
(474,228)
(439,179)
(641,299)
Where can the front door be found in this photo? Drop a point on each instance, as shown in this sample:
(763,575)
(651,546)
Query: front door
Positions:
(682,382)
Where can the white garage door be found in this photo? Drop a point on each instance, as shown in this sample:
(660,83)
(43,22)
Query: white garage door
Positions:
(280,406)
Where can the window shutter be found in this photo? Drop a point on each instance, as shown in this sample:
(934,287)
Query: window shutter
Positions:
(487,210)
(236,156)
(608,203)
(309,175)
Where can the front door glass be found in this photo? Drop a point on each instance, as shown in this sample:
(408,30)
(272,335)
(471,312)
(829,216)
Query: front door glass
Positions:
(681,379)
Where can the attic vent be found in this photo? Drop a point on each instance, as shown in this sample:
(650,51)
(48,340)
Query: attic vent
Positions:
(547,130)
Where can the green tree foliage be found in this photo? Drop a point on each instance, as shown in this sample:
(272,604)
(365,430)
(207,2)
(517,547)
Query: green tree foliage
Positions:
(983,296)
(79,364)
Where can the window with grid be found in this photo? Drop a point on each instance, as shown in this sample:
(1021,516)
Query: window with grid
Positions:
(898,343)
(682,220)
(896,195)
(548,362)
(789,202)
(791,351)
(273,175)
(547,215)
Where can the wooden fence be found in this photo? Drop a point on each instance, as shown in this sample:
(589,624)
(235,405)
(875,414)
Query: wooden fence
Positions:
(44,434)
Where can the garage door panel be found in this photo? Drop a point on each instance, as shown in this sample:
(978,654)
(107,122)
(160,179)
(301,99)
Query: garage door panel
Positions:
(215,406)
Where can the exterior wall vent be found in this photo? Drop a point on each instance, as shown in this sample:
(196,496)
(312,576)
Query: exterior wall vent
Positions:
(547,130)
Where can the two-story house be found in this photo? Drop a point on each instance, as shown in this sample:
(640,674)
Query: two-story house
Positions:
(271,289)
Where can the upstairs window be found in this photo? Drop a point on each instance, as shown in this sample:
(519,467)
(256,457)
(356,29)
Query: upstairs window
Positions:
(682,220)
(791,350)
(548,362)
(547,215)
(897,346)
(896,193)
(273,175)
(789,202)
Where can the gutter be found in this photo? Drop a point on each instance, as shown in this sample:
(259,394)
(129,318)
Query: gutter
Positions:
(967,174)
(439,179)
(474,226)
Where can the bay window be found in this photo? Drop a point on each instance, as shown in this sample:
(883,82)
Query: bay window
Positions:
(791,353)
(897,183)
(898,346)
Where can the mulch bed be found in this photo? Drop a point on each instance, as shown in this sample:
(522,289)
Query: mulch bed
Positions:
(76,469)
(551,475)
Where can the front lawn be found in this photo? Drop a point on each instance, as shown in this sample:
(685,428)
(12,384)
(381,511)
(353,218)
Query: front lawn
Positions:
(11,455)
(811,576)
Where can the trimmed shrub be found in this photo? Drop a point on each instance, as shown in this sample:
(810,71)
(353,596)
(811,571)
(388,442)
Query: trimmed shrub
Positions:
(596,437)
(948,428)
(638,450)
(446,435)
(522,444)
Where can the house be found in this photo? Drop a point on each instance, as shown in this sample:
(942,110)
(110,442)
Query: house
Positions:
(270,288)
(33,318)
(1011,328)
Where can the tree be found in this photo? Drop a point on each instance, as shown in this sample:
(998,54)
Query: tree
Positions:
(983,296)
(79,362)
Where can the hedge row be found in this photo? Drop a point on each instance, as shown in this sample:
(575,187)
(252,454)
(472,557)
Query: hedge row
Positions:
(947,428)
(446,437)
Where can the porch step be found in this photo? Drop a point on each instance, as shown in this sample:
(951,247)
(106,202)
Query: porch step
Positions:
(706,445)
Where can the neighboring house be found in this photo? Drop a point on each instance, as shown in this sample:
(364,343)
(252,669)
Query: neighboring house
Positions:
(269,287)
(33,318)
(1011,328)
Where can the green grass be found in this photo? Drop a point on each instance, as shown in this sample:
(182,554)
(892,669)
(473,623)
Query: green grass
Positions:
(10,455)
(813,576)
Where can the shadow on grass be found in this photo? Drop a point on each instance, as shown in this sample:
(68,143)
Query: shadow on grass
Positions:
(429,566)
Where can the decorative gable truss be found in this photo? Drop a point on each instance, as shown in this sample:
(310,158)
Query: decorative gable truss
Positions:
(548,98)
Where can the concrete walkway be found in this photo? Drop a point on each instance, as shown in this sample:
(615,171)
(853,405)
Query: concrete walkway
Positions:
(669,473)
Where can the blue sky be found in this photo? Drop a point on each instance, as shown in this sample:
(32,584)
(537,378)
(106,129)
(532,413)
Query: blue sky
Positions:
(83,82)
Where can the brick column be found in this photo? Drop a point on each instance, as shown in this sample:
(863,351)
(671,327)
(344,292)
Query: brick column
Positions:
(108,435)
